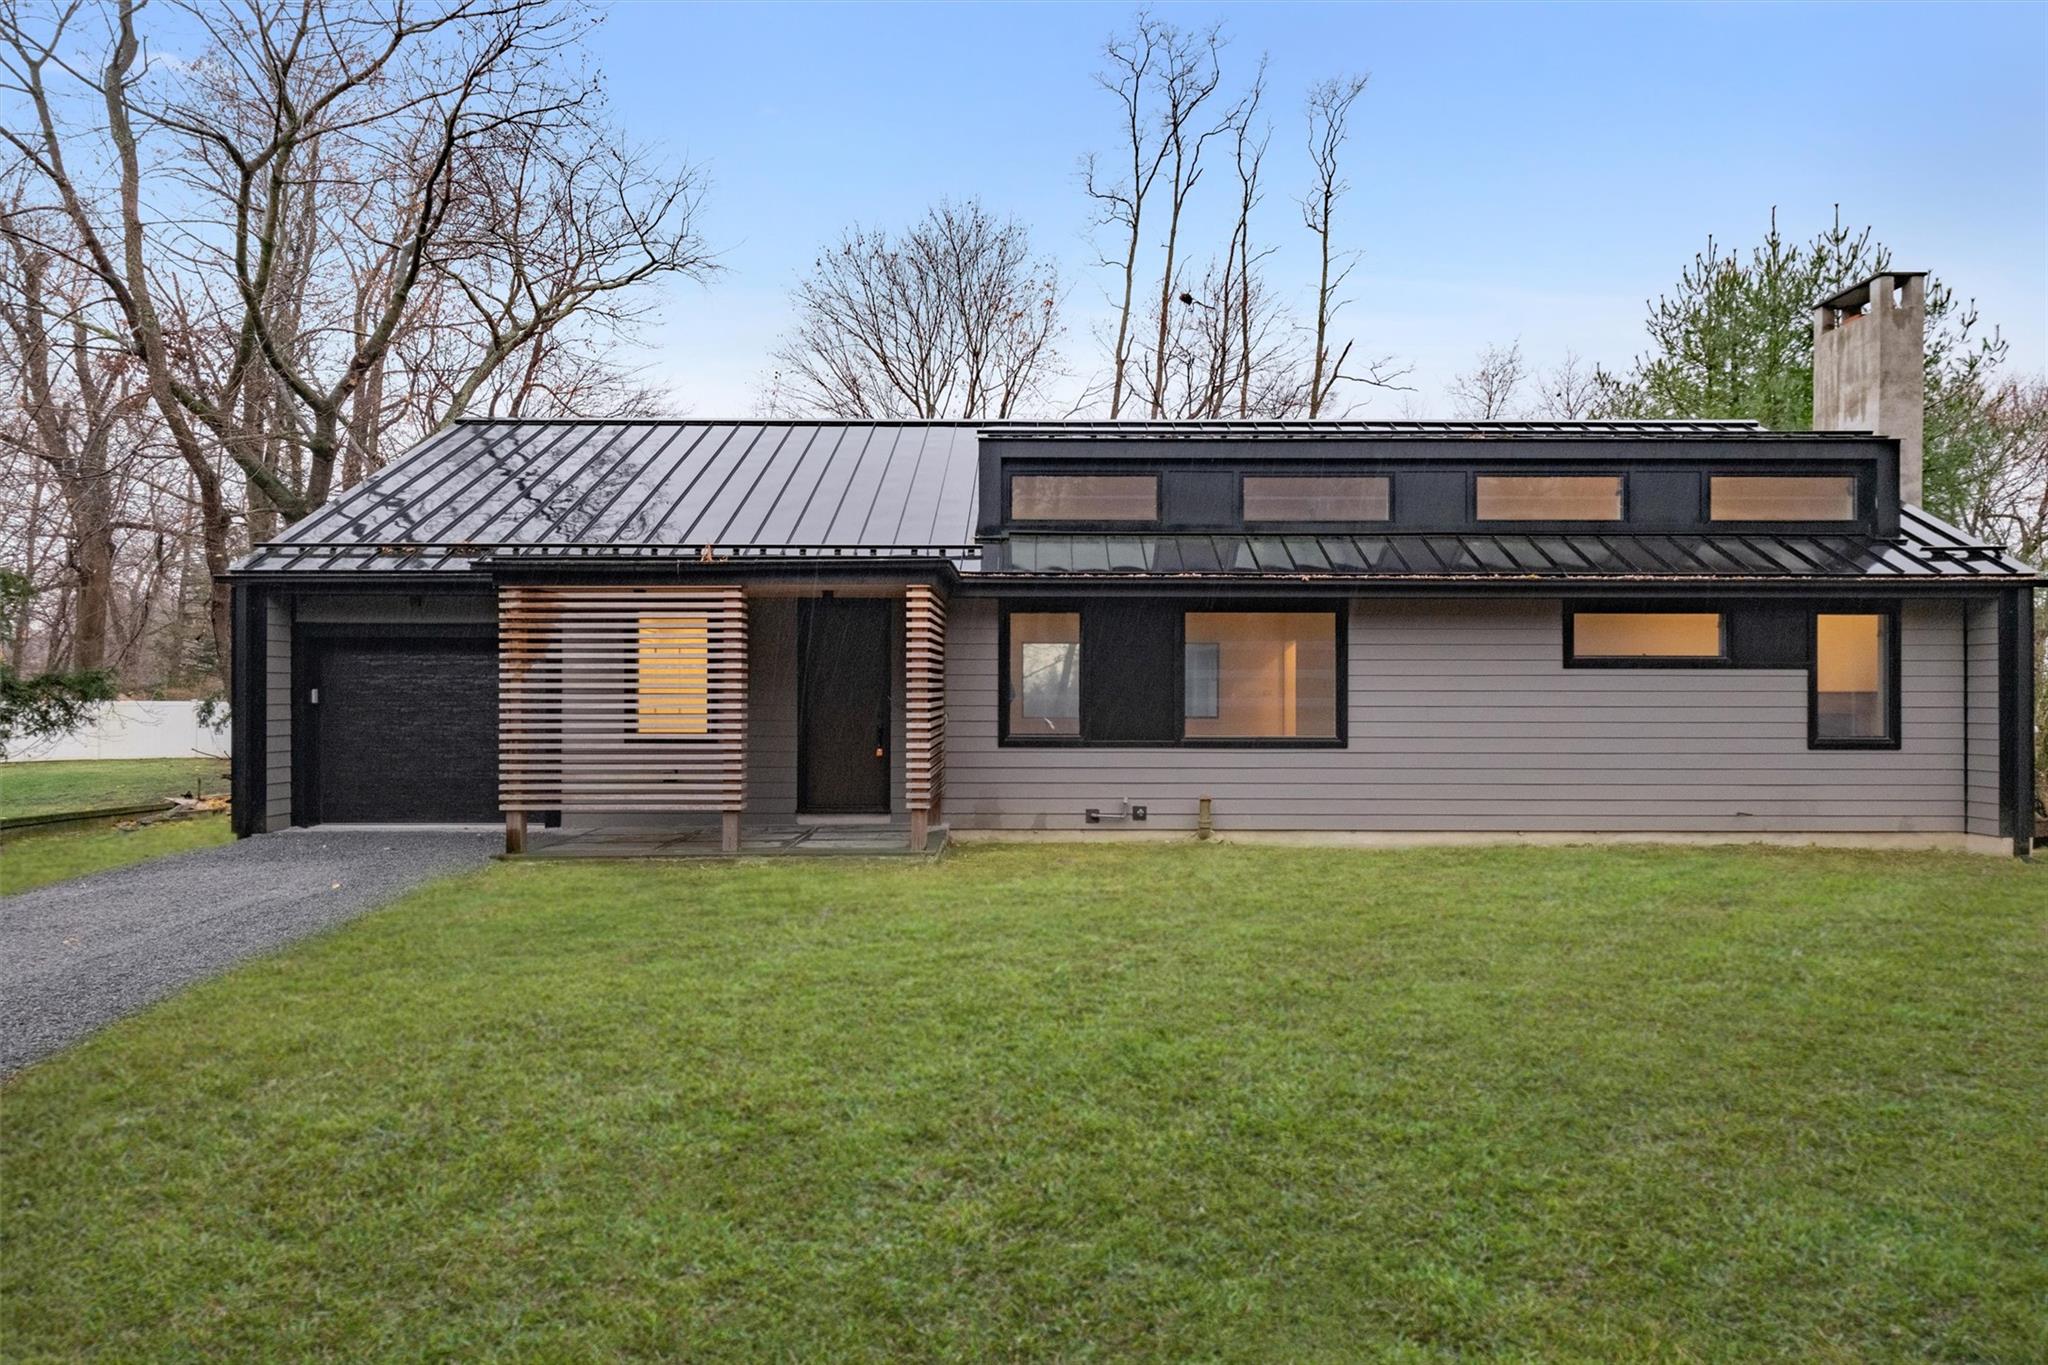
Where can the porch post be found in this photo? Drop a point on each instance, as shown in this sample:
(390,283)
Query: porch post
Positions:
(924,705)
(515,831)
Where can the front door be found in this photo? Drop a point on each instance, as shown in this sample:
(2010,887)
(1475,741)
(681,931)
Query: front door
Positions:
(843,704)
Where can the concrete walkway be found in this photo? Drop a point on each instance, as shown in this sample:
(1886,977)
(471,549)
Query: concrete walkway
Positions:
(77,955)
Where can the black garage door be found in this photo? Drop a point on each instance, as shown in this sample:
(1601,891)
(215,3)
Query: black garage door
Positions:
(399,728)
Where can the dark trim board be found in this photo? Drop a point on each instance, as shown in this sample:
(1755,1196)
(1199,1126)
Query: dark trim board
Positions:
(248,714)
(394,630)
(1071,586)
(2016,777)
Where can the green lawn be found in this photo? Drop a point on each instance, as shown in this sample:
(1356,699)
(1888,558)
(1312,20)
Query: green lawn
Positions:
(1045,1101)
(38,856)
(97,784)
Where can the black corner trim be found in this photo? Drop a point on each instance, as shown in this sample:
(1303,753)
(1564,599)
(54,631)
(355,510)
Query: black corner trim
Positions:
(2016,719)
(247,724)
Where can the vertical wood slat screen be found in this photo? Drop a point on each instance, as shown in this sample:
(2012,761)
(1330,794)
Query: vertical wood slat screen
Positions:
(924,694)
(622,699)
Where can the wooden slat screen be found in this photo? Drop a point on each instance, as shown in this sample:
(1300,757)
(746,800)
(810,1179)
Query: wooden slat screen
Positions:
(622,699)
(924,694)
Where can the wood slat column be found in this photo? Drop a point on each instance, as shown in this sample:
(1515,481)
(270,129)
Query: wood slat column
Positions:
(622,699)
(924,702)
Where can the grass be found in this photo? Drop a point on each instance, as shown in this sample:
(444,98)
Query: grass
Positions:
(38,856)
(98,784)
(1047,1101)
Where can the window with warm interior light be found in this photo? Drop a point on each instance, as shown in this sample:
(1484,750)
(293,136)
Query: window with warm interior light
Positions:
(1260,675)
(1149,673)
(1084,497)
(673,681)
(1045,674)
(1852,679)
(1548,497)
(1779,497)
(1316,497)
(1650,637)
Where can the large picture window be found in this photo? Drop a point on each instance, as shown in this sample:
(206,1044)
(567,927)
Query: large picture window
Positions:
(1260,675)
(1148,672)
(1548,497)
(1646,639)
(1045,674)
(1854,701)
(673,681)
(1779,497)
(1312,498)
(1084,497)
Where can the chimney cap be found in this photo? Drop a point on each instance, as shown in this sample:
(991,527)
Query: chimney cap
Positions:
(1857,295)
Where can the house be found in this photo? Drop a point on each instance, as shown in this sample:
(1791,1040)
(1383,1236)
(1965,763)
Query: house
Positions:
(1339,628)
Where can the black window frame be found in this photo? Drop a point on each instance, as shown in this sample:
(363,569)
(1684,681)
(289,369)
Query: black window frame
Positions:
(1862,516)
(1891,660)
(1725,659)
(1180,607)
(1032,524)
(1477,522)
(1264,527)
(1038,607)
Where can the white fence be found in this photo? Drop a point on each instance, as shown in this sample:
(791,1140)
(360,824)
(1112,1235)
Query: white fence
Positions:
(132,729)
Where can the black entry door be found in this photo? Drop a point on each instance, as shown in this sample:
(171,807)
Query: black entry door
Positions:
(843,704)
(399,729)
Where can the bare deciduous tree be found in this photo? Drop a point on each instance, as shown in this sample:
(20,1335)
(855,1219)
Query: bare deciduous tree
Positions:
(1572,391)
(1132,66)
(1241,260)
(1491,390)
(955,318)
(73,398)
(561,229)
(1329,119)
(1239,361)
(329,185)
(1190,75)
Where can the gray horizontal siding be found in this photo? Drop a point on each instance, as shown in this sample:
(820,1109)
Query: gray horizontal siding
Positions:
(1980,655)
(771,707)
(277,713)
(1462,717)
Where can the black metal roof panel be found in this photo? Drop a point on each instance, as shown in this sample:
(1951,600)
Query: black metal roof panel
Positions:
(1927,549)
(1321,429)
(489,488)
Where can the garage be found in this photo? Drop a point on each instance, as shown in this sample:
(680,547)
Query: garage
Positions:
(397,728)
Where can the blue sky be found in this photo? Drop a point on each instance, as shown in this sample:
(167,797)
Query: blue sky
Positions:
(1520,172)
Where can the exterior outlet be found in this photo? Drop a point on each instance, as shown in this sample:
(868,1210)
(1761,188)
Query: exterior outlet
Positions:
(1869,372)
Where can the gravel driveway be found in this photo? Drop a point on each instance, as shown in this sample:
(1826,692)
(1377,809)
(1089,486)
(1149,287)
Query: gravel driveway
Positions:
(80,954)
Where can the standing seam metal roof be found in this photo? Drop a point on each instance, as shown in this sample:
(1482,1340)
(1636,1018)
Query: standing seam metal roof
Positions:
(513,489)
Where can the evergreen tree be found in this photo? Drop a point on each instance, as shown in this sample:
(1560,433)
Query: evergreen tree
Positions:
(1734,339)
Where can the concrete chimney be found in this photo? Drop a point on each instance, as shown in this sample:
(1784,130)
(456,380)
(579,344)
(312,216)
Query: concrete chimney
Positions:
(1869,344)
